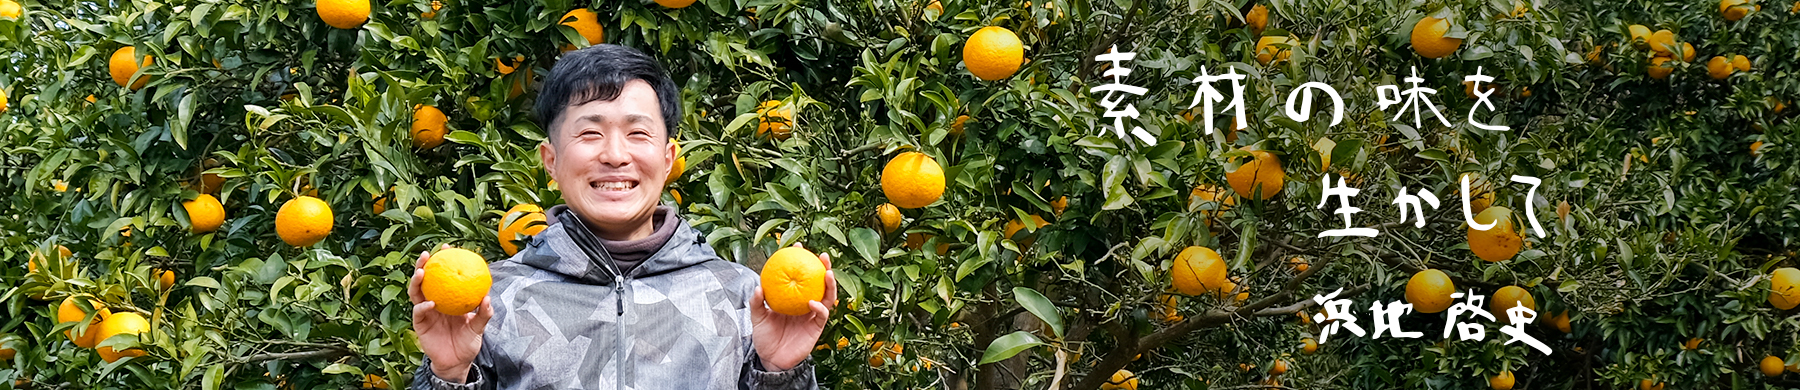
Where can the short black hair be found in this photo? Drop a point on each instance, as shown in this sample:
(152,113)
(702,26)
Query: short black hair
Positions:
(599,73)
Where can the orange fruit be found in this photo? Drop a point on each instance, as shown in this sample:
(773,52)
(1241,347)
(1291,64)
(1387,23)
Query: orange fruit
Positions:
(1309,346)
(1170,303)
(586,23)
(344,14)
(435,7)
(2,100)
(1257,19)
(457,280)
(890,217)
(1500,242)
(680,164)
(1784,288)
(428,126)
(1650,384)
(123,64)
(774,120)
(1262,175)
(1429,291)
(1509,297)
(1273,50)
(1561,321)
(1428,38)
(677,195)
(1211,194)
(1122,380)
(1687,52)
(1735,10)
(1299,264)
(912,180)
(1741,63)
(676,4)
(372,381)
(1659,68)
(520,221)
(1198,270)
(122,323)
(7,352)
(932,11)
(10,9)
(1057,206)
(1501,381)
(1280,367)
(883,351)
(303,221)
(71,311)
(165,279)
(993,53)
(1692,344)
(1663,43)
(1756,149)
(1639,33)
(1718,67)
(506,66)
(956,128)
(791,279)
(1771,366)
(1014,226)
(205,214)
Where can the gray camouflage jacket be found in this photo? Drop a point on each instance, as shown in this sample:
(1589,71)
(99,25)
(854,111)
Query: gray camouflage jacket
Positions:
(557,315)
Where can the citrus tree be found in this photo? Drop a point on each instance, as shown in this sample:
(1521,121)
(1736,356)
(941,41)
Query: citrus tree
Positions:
(236,191)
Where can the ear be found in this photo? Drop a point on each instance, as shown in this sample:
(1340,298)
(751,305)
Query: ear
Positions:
(547,154)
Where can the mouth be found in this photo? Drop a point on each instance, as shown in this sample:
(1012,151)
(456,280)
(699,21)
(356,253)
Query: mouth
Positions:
(614,185)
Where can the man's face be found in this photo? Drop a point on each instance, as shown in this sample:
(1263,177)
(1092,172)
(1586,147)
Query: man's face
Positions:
(610,159)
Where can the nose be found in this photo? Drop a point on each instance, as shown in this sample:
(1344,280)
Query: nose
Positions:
(613,153)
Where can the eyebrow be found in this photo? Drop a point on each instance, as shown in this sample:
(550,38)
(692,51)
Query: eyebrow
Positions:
(630,118)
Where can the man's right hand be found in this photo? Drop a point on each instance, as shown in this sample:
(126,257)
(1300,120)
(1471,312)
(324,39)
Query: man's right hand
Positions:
(450,341)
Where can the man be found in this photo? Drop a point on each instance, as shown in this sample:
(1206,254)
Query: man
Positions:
(618,292)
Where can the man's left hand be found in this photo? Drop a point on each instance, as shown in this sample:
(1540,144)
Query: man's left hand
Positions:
(783,341)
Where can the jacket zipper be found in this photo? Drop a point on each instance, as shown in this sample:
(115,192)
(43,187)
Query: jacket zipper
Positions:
(597,253)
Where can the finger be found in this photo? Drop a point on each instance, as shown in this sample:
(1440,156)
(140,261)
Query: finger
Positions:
(818,316)
(758,308)
(423,257)
(484,312)
(825,258)
(413,289)
(422,312)
(831,295)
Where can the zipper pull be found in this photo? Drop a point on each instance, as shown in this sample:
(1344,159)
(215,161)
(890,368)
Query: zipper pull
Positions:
(619,292)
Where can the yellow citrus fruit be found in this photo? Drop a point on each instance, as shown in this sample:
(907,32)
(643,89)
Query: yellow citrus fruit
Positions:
(435,7)
(677,4)
(1735,10)
(1299,264)
(791,279)
(204,213)
(519,84)
(1663,43)
(1280,367)
(1650,384)
(428,127)
(1741,63)
(1509,297)
(1501,381)
(1014,226)
(1561,321)
(1771,366)
(1692,343)
(1198,270)
(1169,304)
(123,64)
(2,100)
(774,120)
(993,53)
(303,221)
(165,279)
(680,164)
(956,128)
(1429,291)
(1122,380)
(1429,41)
(1659,68)
(1262,175)
(586,23)
(1639,33)
(71,311)
(1257,18)
(883,351)
(456,279)
(7,353)
(677,195)
(1211,194)
(1273,50)
(912,180)
(890,217)
(1687,52)
(1500,242)
(1309,346)
(1718,67)
(1784,288)
(344,14)
(10,9)
(1057,206)
(372,381)
(1756,149)
(526,220)
(506,65)
(122,323)
(932,11)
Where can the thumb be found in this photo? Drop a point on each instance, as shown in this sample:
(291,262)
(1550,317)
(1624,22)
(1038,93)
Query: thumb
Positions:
(759,308)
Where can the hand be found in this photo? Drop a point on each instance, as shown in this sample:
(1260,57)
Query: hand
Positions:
(783,341)
(450,341)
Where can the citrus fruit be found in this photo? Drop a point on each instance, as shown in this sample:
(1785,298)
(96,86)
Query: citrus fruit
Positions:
(1509,297)
(520,221)
(1500,242)
(791,279)
(372,381)
(1209,194)
(1014,226)
(1756,149)
(1309,346)
(1260,178)
(677,4)
(1784,288)
(344,14)
(506,65)
(119,324)
(1280,367)
(1257,19)
(1662,42)
(71,311)
(993,53)
(1299,264)
(1692,344)
(428,127)
(1198,270)
(1718,67)
(303,221)
(1428,38)
(1659,68)
(10,9)
(1771,366)
(1057,206)
(435,7)
(883,351)
(1740,62)
(774,120)
(1561,322)
(456,279)
(1122,380)
(956,128)
(1735,10)
(912,180)
(1274,49)
(204,213)
(680,164)
(123,64)
(1639,33)
(1429,291)
(586,23)
(1501,381)
(165,279)
(890,217)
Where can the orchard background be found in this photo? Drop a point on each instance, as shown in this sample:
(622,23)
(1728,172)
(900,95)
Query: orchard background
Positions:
(1668,200)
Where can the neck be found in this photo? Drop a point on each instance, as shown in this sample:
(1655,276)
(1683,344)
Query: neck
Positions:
(631,232)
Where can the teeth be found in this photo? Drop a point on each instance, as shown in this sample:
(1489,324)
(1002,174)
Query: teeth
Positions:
(616,186)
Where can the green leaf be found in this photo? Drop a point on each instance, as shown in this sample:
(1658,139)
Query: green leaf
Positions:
(1006,346)
(1040,306)
(867,243)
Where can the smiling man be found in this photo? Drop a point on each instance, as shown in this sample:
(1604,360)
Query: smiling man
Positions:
(618,292)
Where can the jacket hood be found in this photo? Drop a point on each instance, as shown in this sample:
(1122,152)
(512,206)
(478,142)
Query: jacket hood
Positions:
(554,251)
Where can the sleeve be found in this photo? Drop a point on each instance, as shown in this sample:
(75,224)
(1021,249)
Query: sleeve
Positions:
(424,379)
(798,378)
